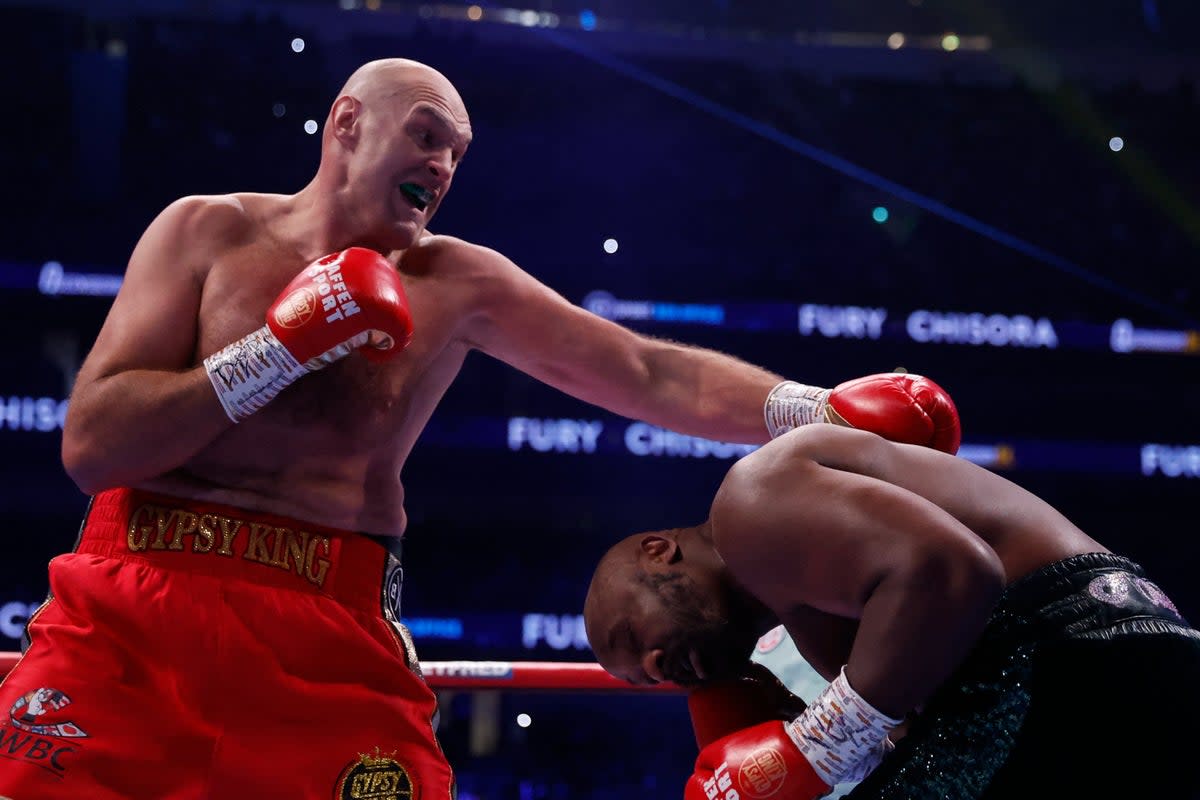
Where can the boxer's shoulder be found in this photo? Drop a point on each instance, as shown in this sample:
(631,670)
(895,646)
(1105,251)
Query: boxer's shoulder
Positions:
(471,277)
(186,237)
(759,471)
(762,501)
(211,223)
(440,254)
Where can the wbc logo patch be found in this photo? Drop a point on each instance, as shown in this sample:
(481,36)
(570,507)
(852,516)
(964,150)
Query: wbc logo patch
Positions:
(33,713)
(38,734)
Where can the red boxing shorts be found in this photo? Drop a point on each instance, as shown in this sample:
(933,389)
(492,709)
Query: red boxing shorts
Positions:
(190,650)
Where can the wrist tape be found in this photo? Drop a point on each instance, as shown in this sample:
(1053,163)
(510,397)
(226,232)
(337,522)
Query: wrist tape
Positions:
(840,733)
(250,372)
(790,405)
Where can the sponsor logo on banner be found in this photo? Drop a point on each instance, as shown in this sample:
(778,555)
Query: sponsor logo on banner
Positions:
(54,279)
(435,627)
(604,304)
(470,669)
(375,777)
(1124,337)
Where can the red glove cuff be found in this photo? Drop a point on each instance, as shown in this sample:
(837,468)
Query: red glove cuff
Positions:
(720,708)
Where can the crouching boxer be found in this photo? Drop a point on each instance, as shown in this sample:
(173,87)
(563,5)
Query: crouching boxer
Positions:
(1022,657)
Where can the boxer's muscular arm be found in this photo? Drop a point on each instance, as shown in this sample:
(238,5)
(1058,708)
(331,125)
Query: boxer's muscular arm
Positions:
(799,533)
(687,389)
(824,640)
(140,407)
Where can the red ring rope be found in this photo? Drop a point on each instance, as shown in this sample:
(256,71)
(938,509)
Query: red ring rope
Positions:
(525,675)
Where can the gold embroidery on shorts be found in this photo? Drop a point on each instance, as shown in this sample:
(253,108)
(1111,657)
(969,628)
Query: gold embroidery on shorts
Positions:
(300,552)
(375,777)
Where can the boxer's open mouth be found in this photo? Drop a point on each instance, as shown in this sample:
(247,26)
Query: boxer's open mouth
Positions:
(416,194)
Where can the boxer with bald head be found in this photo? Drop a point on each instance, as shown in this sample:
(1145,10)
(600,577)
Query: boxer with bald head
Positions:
(1023,658)
(228,624)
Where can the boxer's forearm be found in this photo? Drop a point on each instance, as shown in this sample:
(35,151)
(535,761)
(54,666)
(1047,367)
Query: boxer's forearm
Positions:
(918,624)
(135,425)
(686,389)
(707,393)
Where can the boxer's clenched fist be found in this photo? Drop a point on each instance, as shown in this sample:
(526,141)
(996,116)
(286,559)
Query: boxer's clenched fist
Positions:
(903,408)
(345,301)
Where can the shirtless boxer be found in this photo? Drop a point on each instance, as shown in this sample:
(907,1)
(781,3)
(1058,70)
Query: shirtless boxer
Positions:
(227,625)
(1029,660)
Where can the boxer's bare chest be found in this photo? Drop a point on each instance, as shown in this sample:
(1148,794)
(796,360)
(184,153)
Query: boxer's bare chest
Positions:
(360,401)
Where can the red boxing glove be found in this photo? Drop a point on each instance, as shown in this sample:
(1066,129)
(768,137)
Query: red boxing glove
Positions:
(330,309)
(719,708)
(839,737)
(761,761)
(332,306)
(898,406)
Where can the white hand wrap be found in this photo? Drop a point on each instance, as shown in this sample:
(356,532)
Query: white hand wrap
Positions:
(250,372)
(841,734)
(791,404)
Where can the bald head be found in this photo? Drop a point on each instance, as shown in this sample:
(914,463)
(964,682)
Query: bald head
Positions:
(393,86)
(617,563)
(615,577)
(660,606)
(391,145)
(617,590)
(387,79)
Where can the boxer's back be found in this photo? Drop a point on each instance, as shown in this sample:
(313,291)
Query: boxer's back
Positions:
(1024,530)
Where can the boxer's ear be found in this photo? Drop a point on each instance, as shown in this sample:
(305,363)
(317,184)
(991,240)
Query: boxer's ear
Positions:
(344,119)
(658,549)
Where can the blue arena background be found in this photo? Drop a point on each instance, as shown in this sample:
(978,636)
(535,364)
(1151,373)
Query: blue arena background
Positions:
(1012,211)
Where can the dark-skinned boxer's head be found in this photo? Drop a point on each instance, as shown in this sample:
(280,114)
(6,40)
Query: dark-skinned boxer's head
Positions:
(663,606)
